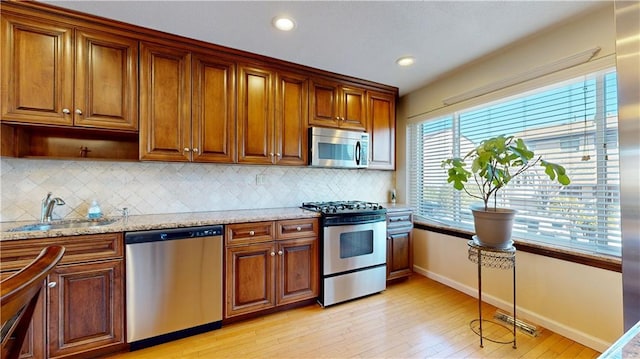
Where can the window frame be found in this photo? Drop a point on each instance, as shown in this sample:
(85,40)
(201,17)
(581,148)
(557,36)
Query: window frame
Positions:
(604,260)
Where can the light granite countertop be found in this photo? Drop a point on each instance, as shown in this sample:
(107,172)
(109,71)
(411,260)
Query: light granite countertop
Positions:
(172,220)
(161,221)
(627,346)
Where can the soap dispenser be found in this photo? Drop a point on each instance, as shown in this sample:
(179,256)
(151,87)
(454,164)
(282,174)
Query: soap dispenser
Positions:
(94,210)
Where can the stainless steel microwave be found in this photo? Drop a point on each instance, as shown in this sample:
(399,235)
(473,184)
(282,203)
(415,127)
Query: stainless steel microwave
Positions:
(329,147)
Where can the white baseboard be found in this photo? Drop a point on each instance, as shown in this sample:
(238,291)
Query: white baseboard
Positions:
(522,313)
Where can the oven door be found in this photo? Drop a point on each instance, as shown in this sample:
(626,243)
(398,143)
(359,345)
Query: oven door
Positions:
(354,246)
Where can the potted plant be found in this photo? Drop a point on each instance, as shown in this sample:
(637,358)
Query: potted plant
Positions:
(494,163)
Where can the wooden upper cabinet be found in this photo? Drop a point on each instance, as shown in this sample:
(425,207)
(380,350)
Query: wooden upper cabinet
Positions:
(213,115)
(255,115)
(165,103)
(187,105)
(381,128)
(272,117)
(291,122)
(58,75)
(338,105)
(106,91)
(37,71)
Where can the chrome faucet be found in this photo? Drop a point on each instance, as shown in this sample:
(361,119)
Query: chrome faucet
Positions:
(47,207)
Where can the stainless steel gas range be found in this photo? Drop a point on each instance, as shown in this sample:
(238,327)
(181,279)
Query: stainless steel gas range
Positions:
(353,249)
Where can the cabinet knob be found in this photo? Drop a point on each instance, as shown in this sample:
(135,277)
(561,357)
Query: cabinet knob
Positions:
(270,154)
(280,253)
(251,233)
(66,111)
(278,155)
(195,150)
(187,149)
(52,284)
(273,254)
(298,229)
(78,111)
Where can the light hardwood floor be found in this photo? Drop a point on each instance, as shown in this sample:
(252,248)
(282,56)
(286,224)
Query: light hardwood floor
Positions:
(418,318)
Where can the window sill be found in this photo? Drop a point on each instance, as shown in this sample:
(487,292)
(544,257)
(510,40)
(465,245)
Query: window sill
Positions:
(571,255)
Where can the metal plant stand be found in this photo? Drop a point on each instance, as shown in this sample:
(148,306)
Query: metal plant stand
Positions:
(492,258)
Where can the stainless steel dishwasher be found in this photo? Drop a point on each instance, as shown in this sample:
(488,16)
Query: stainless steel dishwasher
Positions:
(174,283)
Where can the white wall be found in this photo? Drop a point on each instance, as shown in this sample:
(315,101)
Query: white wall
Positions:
(580,302)
(175,187)
(577,301)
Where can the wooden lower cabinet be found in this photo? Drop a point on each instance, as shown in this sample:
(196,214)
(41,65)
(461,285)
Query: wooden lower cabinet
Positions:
(399,256)
(297,270)
(277,269)
(81,309)
(34,342)
(86,308)
(250,278)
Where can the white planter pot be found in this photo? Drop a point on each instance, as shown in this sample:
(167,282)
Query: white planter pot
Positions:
(493,226)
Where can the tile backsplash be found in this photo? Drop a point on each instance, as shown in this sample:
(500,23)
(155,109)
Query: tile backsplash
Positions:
(171,187)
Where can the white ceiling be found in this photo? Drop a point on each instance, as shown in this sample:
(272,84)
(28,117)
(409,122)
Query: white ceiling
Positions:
(357,38)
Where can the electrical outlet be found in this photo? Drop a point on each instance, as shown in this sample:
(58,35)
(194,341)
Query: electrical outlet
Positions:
(259,180)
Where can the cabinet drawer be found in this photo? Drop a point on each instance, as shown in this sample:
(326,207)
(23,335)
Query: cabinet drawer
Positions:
(399,219)
(18,253)
(244,233)
(297,228)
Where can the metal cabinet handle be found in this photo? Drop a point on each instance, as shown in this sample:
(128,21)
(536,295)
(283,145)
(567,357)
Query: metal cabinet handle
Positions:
(52,284)
(251,233)
(298,229)
(280,253)
(195,150)
(187,149)
(78,111)
(66,111)
(273,254)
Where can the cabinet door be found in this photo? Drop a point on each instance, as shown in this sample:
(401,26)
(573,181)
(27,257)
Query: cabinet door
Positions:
(297,270)
(323,109)
(250,278)
(86,308)
(291,119)
(353,108)
(381,127)
(37,72)
(399,262)
(165,103)
(34,342)
(213,114)
(106,82)
(255,115)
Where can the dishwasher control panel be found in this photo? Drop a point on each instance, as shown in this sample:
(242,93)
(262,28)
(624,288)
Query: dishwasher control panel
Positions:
(172,234)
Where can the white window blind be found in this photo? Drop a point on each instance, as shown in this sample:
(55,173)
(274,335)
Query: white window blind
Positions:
(573,123)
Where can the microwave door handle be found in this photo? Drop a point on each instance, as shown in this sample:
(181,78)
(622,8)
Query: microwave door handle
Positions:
(358,154)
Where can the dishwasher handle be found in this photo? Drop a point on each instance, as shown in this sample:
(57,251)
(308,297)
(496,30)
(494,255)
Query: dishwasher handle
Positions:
(160,235)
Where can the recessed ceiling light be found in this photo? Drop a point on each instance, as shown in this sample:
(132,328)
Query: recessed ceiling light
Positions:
(283,23)
(406,61)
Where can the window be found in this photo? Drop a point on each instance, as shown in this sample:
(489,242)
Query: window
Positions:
(573,123)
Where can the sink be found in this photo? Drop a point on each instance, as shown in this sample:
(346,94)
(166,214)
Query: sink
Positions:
(63,224)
